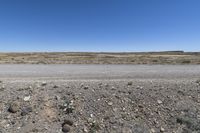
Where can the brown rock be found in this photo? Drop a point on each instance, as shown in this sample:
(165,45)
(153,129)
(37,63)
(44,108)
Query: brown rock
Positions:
(68,122)
(14,107)
(65,128)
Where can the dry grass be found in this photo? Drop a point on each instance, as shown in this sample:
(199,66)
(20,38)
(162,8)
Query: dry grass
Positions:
(174,57)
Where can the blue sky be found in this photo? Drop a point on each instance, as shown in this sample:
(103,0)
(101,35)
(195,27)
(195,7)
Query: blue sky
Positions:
(99,25)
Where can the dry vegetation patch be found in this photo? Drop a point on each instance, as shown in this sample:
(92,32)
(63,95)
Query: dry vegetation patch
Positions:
(100,58)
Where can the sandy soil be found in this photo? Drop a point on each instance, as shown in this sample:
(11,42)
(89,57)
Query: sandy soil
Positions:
(99,98)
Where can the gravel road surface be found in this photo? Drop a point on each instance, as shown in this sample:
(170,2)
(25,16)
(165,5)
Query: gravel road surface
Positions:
(100,71)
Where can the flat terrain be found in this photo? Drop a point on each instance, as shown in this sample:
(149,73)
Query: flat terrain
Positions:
(169,57)
(99,98)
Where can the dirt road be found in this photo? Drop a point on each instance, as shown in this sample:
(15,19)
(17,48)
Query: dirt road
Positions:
(100,71)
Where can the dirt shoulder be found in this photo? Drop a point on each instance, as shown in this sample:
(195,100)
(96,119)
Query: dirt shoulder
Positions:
(120,106)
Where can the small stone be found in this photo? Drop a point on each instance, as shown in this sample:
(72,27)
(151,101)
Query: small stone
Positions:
(68,122)
(14,107)
(55,86)
(57,97)
(2,88)
(26,110)
(162,129)
(27,98)
(159,101)
(198,81)
(30,87)
(85,130)
(69,110)
(130,83)
(115,109)
(153,130)
(139,87)
(44,83)
(140,106)
(106,85)
(112,88)
(110,103)
(91,115)
(65,128)
(85,87)
(6,126)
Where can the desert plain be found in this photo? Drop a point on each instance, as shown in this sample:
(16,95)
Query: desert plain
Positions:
(110,93)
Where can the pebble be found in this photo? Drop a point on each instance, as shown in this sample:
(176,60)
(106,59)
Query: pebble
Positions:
(65,128)
(26,110)
(30,87)
(159,101)
(139,87)
(130,83)
(44,83)
(57,97)
(115,109)
(85,87)
(162,129)
(153,130)
(55,86)
(106,85)
(198,81)
(85,130)
(91,115)
(27,98)
(6,126)
(68,122)
(14,107)
(112,88)
(110,103)
(2,87)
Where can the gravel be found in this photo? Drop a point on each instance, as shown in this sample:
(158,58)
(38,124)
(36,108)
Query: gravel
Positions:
(149,105)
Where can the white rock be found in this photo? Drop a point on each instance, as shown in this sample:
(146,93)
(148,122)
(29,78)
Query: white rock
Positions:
(2,87)
(44,83)
(162,129)
(91,115)
(7,125)
(85,130)
(110,103)
(27,98)
(159,101)
(153,130)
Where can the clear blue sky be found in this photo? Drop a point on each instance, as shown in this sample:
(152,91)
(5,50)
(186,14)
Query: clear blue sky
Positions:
(99,25)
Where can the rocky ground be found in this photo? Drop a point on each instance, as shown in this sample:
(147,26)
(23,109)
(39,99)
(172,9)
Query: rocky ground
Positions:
(100,106)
